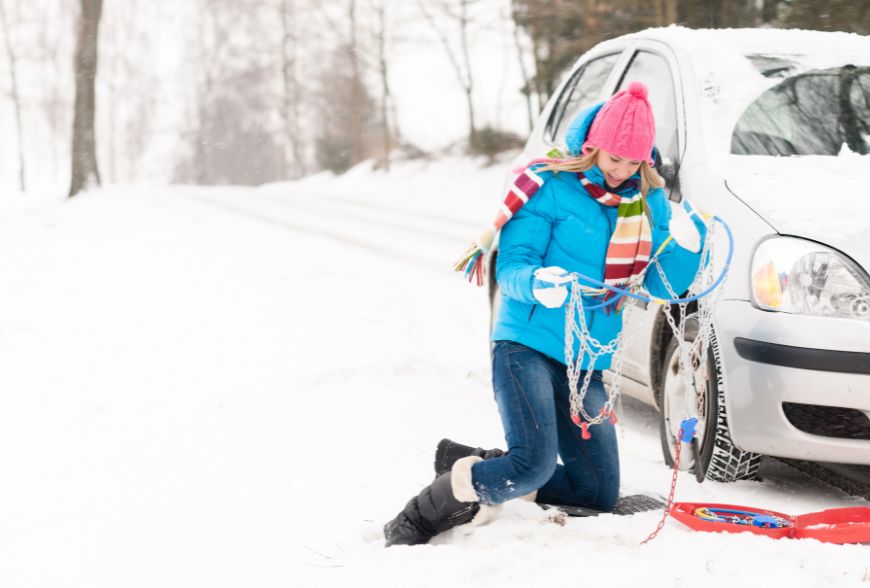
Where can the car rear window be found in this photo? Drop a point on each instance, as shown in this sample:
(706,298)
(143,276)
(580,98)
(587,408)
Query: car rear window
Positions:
(819,112)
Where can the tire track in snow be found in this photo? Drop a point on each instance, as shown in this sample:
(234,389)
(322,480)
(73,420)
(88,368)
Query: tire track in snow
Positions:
(397,212)
(322,227)
(380,215)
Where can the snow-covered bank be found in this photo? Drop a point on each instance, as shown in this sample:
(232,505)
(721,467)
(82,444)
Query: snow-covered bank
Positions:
(237,387)
(468,190)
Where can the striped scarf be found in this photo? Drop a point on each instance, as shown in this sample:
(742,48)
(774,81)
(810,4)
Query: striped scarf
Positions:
(630,245)
(631,242)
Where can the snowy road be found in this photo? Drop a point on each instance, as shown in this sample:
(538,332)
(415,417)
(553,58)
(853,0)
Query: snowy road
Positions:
(397,235)
(235,387)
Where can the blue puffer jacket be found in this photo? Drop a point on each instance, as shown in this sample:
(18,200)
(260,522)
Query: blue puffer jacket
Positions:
(562,225)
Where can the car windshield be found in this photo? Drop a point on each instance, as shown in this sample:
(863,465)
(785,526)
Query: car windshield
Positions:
(817,112)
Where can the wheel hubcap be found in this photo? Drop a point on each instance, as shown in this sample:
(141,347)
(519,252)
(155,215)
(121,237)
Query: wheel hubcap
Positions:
(677,403)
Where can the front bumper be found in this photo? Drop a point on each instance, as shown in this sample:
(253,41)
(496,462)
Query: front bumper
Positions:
(775,362)
(824,360)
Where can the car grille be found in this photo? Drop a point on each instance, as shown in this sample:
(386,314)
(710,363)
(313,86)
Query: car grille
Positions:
(828,421)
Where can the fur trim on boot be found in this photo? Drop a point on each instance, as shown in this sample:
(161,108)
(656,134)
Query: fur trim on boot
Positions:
(460,479)
(486,514)
(463,489)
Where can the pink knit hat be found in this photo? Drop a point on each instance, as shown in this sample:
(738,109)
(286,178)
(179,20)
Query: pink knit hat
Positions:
(625,125)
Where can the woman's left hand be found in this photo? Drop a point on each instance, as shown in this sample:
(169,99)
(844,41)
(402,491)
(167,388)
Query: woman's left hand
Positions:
(687,227)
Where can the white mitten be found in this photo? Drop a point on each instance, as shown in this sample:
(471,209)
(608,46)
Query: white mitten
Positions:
(547,287)
(686,226)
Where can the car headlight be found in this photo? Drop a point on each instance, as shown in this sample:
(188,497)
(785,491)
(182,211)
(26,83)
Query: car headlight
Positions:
(802,277)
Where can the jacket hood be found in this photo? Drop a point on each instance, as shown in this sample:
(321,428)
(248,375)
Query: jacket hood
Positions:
(578,130)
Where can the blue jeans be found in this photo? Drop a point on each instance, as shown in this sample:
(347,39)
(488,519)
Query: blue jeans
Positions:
(531,390)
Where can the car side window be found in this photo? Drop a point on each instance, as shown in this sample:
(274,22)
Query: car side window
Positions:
(653,70)
(583,90)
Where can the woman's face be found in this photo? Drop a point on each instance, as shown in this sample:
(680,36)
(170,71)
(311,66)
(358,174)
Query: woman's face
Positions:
(616,169)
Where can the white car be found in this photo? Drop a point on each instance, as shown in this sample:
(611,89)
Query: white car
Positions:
(770,130)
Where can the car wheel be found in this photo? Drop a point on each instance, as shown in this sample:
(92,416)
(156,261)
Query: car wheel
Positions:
(720,459)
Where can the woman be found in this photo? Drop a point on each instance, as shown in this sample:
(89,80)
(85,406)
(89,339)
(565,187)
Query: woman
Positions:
(599,213)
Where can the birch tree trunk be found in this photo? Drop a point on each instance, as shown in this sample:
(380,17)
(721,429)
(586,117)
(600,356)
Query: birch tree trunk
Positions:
(290,72)
(357,149)
(461,63)
(13,90)
(387,134)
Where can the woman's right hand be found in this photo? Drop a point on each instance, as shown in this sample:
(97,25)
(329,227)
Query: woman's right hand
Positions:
(548,286)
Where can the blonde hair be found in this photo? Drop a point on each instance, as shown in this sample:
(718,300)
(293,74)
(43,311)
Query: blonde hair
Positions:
(649,177)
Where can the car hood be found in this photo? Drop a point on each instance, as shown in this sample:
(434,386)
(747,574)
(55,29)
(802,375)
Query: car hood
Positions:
(825,199)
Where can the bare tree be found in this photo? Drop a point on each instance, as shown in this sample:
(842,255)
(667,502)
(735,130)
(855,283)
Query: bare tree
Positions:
(128,88)
(559,32)
(389,132)
(353,54)
(341,99)
(53,49)
(826,15)
(458,12)
(291,111)
(352,47)
(528,77)
(12,60)
(353,142)
(233,133)
(85,172)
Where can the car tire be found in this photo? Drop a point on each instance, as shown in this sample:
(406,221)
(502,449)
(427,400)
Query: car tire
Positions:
(720,459)
(494,293)
(494,306)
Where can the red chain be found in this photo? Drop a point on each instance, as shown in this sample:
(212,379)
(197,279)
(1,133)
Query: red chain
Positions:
(670,503)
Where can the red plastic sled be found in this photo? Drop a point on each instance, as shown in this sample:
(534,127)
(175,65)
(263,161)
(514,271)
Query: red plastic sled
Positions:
(836,525)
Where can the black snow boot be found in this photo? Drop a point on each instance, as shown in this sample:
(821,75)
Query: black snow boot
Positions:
(435,510)
(449,451)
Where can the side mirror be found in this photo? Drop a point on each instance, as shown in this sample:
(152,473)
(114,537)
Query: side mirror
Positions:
(668,170)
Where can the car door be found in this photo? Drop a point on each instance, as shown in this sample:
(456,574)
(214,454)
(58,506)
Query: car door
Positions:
(655,65)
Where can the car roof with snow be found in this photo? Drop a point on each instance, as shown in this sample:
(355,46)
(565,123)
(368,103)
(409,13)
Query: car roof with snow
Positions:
(731,69)
(758,40)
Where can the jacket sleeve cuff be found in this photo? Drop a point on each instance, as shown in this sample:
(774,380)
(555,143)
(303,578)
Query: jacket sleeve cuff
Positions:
(679,265)
(523,280)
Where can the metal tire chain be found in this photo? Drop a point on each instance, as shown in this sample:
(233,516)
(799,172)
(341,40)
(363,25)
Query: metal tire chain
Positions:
(580,329)
(704,314)
(670,504)
(593,349)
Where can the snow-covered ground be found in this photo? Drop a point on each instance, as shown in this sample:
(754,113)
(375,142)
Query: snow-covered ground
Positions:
(238,387)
